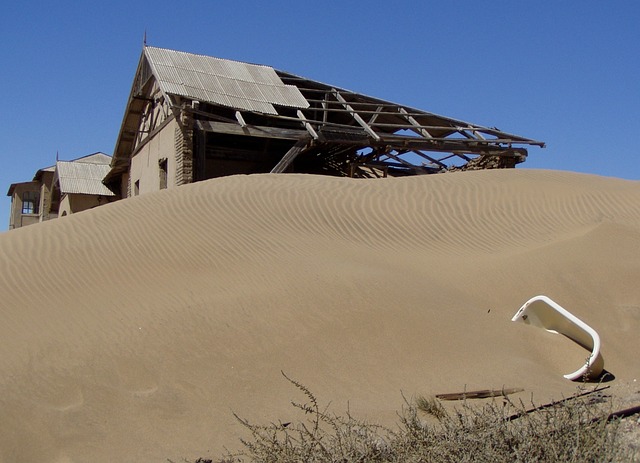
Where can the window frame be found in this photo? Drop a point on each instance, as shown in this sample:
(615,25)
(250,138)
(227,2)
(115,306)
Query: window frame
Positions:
(30,202)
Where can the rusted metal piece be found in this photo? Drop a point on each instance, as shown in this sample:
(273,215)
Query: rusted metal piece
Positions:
(555,403)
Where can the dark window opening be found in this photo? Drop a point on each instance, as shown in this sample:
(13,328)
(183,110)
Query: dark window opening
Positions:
(163,173)
(30,201)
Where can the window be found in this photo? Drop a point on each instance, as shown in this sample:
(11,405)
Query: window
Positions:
(136,188)
(30,201)
(162,163)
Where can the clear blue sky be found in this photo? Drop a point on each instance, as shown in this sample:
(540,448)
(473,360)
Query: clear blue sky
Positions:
(567,73)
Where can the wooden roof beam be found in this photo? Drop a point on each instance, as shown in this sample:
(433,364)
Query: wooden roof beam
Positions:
(325,108)
(450,144)
(417,127)
(306,124)
(375,115)
(460,155)
(468,132)
(431,159)
(251,130)
(355,115)
(240,119)
(477,133)
(400,160)
(300,146)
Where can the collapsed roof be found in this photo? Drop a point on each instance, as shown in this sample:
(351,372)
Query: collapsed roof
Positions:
(328,129)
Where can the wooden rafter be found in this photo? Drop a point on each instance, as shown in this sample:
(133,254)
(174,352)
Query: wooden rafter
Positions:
(356,116)
(406,163)
(291,155)
(373,118)
(431,159)
(251,130)
(417,127)
(306,124)
(240,119)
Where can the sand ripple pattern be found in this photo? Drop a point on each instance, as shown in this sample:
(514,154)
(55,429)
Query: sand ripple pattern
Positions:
(224,223)
(130,331)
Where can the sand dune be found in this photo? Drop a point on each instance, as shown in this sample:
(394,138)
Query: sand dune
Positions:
(133,331)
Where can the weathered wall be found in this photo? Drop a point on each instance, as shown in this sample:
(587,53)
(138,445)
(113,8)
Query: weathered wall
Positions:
(28,219)
(65,206)
(74,203)
(125,186)
(145,167)
(45,196)
(83,202)
(16,218)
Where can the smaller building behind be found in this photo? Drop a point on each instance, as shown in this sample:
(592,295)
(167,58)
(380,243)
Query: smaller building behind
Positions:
(56,191)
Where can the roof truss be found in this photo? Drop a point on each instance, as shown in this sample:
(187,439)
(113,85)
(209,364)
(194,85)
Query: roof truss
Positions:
(391,136)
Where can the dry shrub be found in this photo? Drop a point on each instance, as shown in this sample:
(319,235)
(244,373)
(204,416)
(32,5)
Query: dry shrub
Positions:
(571,431)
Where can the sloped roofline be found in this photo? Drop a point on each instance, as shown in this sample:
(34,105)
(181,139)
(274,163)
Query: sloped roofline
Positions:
(94,158)
(415,111)
(175,80)
(179,80)
(13,186)
(78,177)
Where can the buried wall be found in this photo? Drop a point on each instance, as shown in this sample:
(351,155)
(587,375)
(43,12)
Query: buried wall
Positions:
(154,166)
(74,203)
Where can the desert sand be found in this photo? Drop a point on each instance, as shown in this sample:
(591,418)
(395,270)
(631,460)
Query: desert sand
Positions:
(134,331)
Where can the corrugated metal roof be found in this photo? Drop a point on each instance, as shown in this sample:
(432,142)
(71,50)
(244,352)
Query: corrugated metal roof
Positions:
(95,158)
(234,84)
(82,177)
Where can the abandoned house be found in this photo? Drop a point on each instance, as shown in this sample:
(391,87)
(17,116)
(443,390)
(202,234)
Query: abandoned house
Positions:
(59,190)
(27,199)
(191,117)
